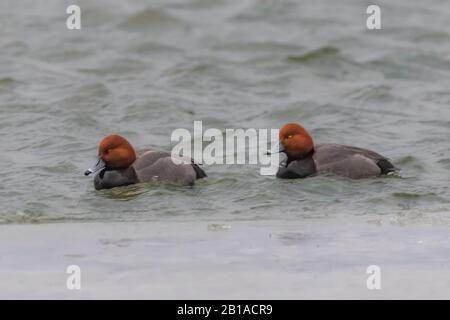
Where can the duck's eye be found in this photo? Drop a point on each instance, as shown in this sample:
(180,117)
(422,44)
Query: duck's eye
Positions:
(289,136)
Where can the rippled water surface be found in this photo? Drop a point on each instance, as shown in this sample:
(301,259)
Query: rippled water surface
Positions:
(142,69)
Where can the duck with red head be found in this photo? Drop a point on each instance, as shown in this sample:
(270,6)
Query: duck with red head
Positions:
(120,165)
(305,159)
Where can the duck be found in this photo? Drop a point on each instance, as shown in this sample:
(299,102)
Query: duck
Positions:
(119,164)
(302,158)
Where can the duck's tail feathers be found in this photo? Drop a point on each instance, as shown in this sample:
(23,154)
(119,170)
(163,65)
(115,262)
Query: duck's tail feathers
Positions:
(199,172)
(386,166)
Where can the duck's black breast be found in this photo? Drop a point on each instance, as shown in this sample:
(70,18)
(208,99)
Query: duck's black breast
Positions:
(108,179)
(297,169)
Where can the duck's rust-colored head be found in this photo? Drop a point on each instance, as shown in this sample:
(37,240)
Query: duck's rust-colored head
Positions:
(114,152)
(295,141)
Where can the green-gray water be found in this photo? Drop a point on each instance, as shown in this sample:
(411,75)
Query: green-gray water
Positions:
(142,69)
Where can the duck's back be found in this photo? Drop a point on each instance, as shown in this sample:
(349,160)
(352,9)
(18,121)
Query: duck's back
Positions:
(348,161)
(158,166)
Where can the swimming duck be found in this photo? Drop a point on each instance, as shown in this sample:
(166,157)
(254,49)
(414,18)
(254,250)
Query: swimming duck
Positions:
(120,165)
(304,159)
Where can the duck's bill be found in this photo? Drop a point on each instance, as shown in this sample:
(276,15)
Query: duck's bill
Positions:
(277,149)
(98,166)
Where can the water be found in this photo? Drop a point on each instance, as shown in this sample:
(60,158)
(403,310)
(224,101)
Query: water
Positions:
(142,70)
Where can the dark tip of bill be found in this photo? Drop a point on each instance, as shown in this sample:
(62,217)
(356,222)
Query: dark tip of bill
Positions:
(87,172)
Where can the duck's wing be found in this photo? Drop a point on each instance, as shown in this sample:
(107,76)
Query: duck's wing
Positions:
(164,169)
(350,161)
(140,152)
(146,158)
(158,165)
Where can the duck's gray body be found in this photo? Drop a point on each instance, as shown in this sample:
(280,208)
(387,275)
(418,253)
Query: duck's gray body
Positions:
(150,166)
(341,160)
